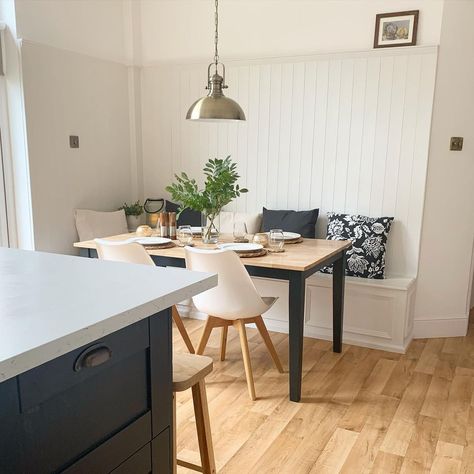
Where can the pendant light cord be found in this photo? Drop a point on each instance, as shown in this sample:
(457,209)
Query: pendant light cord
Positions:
(216,37)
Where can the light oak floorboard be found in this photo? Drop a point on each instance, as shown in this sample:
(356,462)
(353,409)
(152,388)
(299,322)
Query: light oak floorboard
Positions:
(362,411)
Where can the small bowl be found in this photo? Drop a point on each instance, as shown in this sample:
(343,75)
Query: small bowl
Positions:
(261,238)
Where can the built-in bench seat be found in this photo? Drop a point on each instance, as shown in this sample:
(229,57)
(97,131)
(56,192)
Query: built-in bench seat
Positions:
(377,313)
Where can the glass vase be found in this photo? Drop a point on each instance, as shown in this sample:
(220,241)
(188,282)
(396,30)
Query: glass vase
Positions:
(210,228)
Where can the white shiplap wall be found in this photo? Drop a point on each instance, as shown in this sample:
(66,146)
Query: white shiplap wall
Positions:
(344,132)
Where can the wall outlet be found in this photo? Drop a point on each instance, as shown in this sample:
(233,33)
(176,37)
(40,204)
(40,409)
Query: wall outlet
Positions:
(73,141)
(456,143)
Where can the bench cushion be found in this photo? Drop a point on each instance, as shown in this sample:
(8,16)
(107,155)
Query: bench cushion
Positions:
(96,224)
(228,219)
(302,222)
(366,258)
(187,217)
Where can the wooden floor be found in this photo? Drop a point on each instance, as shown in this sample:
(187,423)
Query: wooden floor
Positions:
(363,411)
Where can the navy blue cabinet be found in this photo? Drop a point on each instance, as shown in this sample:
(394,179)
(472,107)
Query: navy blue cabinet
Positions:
(105,407)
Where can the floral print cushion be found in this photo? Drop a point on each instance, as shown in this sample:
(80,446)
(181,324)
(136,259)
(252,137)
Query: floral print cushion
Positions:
(366,258)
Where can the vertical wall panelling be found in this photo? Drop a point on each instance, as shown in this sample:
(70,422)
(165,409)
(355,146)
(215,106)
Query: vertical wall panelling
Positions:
(262,160)
(293,184)
(274,119)
(356,134)
(306,152)
(339,187)
(345,132)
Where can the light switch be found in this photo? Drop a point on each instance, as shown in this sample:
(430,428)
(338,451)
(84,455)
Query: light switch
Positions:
(73,141)
(456,143)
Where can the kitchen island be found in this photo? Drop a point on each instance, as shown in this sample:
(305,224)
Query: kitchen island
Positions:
(85,363)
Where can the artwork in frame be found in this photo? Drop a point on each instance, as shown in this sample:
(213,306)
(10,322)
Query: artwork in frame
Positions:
(396,29)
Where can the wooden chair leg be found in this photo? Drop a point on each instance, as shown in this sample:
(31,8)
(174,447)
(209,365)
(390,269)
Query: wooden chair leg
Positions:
(224,341)
(203,427)
(205,335)
(262,329)
(182,330)
(246,356)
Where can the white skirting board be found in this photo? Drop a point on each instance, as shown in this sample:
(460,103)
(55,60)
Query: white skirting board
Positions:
(449,327)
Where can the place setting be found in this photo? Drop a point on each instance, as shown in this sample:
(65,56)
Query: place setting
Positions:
(153,243)
(292,237)
(244,250)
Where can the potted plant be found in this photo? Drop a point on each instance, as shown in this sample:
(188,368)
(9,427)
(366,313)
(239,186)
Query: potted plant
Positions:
(133,213)
(220,189)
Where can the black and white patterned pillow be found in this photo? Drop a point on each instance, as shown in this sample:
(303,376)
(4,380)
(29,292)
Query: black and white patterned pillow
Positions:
(366,258)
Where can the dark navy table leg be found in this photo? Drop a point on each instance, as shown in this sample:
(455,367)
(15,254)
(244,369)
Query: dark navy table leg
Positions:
(338,279)
(296,324)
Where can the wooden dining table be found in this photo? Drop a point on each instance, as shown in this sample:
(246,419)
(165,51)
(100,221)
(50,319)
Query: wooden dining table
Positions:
(295,265)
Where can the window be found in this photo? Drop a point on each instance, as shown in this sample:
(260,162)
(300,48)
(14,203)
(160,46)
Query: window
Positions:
(4,241)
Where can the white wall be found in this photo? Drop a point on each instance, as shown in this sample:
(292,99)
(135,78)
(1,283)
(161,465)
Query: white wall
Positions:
(73,69)
(444,281)
(92,27)
(69,93)
(182,30)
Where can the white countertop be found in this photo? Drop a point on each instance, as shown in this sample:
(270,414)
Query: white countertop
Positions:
(51,304)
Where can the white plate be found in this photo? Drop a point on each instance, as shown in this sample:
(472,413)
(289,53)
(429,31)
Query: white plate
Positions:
(291,235)
(241,247)
(196,230)
(151,240)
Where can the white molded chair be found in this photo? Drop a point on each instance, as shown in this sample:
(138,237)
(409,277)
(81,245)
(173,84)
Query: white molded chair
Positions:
(135,253)
(234,302)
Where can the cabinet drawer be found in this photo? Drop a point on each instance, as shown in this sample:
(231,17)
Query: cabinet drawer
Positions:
(161,453)
(139,463)
(66,414)
(11,448)
(117,452)
(60,374)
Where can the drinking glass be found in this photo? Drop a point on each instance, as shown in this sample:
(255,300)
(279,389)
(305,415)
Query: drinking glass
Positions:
(240,231)
(184,235)
(276,240)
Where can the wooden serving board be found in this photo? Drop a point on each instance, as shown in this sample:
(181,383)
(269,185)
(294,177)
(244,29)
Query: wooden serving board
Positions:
(260,253)
(159,247)
(294,241)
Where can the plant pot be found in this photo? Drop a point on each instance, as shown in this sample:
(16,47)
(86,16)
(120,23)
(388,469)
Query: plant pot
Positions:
(210,224)
(133,222)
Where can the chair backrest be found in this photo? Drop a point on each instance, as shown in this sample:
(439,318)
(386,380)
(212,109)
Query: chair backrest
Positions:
(235,295)
(130,252)
(96,224)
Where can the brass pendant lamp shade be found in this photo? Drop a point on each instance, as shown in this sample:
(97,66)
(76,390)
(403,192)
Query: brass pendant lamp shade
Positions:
(215,106)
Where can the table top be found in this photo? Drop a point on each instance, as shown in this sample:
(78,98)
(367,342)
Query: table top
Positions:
(51,304)
(300,257)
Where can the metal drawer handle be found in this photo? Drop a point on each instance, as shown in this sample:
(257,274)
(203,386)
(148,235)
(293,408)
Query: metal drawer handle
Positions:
(93,356)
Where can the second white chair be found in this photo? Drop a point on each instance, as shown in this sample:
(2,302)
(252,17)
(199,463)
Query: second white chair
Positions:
(234,302)
(135,253)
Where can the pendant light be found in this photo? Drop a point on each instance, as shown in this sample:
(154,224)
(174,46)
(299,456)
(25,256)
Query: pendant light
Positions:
(215,106)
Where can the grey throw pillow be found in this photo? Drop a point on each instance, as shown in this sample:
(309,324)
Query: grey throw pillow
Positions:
(302,222)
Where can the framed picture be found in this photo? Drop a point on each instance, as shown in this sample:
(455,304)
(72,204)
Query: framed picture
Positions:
(396,29)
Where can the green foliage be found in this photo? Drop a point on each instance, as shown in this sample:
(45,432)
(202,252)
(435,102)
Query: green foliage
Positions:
(220,188)
(135,209)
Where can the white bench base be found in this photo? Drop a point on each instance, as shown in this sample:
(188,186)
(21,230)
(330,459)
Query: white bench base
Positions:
(377,313)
